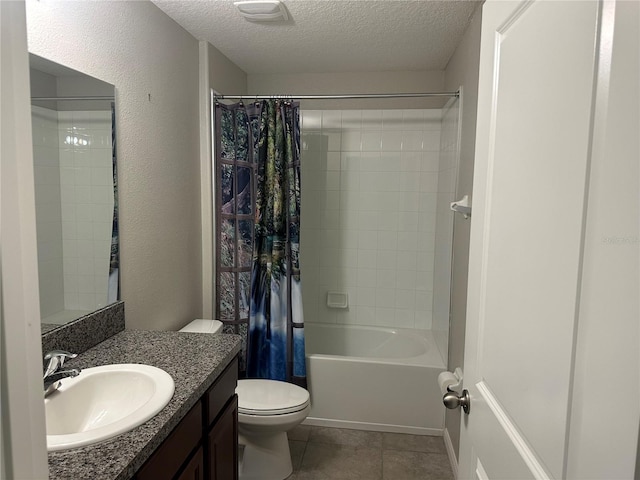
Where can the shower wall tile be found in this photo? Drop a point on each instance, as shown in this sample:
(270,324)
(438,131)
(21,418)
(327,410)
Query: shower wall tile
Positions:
(413,117)
(49,214)
(369,195)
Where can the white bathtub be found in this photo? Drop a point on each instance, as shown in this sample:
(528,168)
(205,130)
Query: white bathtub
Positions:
(371,378)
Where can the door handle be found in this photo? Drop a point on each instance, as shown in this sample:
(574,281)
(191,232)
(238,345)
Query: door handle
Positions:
(453,400)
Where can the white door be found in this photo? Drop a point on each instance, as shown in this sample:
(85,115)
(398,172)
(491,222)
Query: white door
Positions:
(545,69)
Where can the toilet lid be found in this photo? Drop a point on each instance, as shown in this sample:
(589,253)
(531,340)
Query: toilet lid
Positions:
(270,397)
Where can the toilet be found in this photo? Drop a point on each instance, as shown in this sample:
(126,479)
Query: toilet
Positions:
(267,410)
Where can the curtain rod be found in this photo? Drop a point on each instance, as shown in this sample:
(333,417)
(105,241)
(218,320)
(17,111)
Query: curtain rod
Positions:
(336,97)
(55,99)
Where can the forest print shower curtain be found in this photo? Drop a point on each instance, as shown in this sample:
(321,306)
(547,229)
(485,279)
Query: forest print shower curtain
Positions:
(258,292)
(275,347)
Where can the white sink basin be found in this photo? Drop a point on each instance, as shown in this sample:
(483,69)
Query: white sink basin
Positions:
(103,402)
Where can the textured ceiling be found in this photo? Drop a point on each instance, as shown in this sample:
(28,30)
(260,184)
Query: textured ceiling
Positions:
(329,35)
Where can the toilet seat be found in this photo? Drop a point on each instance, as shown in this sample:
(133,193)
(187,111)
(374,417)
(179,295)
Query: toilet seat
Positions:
(270,397)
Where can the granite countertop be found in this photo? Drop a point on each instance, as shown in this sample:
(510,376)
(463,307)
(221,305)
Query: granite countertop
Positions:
(193,360)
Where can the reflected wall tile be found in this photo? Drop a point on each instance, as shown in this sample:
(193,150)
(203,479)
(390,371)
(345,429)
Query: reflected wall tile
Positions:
(351,141)
(372,119)
(350,161)
(333,140)
(392,119)
(371,141)
(331,119)
(351,119)
(311,119)
(391,141)
(332,161)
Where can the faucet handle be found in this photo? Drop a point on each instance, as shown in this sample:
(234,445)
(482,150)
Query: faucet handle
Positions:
(56,359)
(61,354)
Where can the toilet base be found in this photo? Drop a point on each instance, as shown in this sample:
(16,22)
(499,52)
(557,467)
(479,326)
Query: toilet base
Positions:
(265,457)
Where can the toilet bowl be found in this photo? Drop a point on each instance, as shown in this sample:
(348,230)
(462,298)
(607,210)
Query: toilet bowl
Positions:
(267,410)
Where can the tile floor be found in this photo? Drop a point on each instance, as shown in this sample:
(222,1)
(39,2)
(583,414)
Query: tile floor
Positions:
(320,453)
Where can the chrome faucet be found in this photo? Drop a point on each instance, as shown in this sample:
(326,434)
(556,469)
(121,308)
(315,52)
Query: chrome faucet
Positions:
(53,373)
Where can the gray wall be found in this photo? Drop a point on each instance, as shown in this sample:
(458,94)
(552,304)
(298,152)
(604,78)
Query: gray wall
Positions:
(462,70)
(225,76)
(153,64)
(43,85)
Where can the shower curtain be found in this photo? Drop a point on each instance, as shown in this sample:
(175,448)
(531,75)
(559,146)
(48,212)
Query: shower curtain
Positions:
(275,348)
(258,291)
(113,293)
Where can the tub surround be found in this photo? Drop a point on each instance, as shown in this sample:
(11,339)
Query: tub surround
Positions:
(121,457)
(88,331)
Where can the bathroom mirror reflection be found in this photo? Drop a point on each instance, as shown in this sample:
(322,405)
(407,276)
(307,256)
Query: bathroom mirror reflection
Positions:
(73,122)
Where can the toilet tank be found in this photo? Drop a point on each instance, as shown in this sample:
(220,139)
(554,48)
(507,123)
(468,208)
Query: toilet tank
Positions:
(201,325)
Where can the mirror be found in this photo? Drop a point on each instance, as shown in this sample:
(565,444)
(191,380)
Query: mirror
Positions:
(73,122)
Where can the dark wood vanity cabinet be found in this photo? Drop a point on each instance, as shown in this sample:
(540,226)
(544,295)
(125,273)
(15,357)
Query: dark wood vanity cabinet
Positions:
(223,454)
(195,468)
(204,445)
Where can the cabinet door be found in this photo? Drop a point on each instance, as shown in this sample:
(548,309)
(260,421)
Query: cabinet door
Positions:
(223,444)
(194,469)
(176,449)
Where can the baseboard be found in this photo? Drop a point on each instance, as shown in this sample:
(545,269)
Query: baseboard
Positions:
(451,453)
(375,427)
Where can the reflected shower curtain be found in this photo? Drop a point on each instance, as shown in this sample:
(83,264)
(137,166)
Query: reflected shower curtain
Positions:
(275,347)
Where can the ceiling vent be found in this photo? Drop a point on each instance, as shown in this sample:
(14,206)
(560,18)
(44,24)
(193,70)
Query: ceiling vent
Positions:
(262,10)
